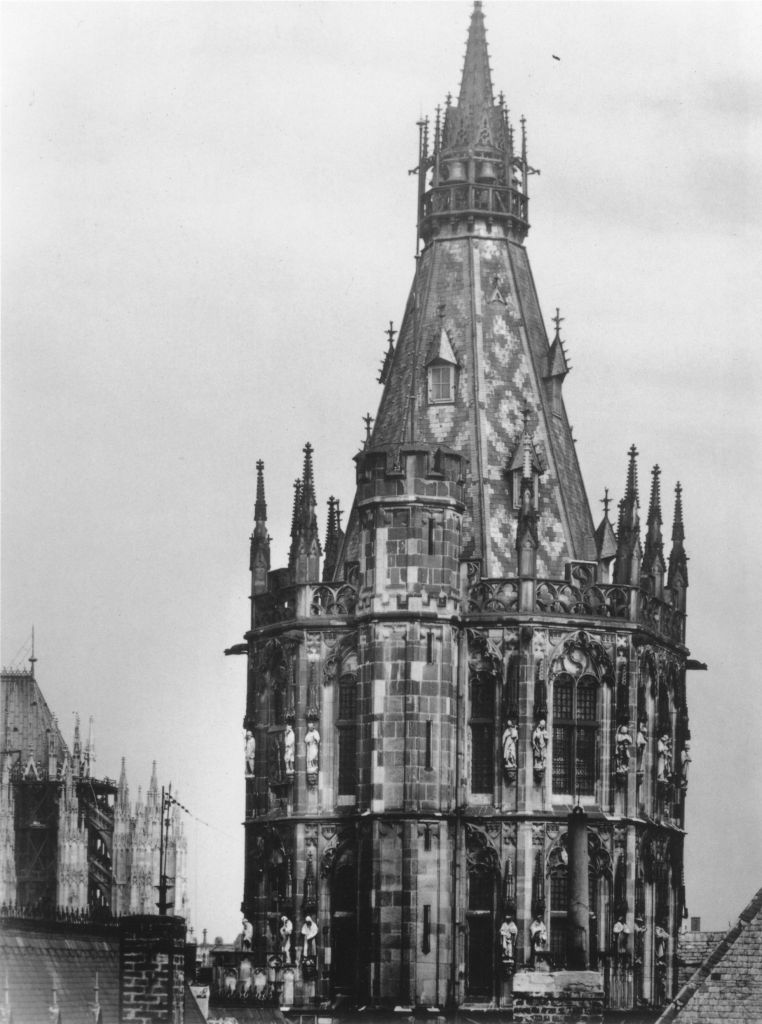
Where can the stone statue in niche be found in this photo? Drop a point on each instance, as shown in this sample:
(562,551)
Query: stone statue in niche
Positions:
(662,941)
(312,751)
(286,928)
(247,934)
(641,741)
(664,758)
(309,934)
(621,931)
(250,747)
(510,739)
(538,938)
(622,752)
(540,738)
(289,749)
(508,935)
(685,760)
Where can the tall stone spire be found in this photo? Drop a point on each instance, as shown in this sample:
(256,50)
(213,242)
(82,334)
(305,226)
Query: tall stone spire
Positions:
(259,552)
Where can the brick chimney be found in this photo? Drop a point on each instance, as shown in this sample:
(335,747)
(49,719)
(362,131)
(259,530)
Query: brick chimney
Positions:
(152,969)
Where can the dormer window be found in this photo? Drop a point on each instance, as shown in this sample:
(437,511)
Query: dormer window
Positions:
(441,383)
(442,371)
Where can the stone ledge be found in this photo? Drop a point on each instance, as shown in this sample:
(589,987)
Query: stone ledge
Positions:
(566,984)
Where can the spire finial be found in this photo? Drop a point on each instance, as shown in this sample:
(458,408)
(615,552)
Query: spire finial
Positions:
(368,421)
(391,333)
(525,416)
(558,320)
(606,502)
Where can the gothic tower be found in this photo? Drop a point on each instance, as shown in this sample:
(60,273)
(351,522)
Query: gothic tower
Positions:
(477,660)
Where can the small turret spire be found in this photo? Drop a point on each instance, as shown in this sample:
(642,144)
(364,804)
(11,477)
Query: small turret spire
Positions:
(123,790)
(259,552)
(653,554)
(260,505)
(90,747)
(76,747)
(629,551)
(332,539)
(677,577)
(304,560)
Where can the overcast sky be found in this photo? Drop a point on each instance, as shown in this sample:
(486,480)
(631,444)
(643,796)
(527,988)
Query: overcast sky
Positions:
(207,225)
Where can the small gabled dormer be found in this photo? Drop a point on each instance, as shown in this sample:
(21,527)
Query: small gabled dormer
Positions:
(441,371)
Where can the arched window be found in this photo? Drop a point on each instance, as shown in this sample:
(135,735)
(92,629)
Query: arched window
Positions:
(482,732)
(575,733)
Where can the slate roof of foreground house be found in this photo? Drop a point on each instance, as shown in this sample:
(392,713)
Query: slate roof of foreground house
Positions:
(727,987)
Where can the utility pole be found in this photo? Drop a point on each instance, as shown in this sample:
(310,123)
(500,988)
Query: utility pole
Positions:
(164,884)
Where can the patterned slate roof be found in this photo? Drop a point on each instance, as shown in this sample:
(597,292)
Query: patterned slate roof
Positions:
(36,962)
(499,340)
(727,987)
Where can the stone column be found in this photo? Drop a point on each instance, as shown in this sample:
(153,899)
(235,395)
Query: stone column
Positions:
(578,949)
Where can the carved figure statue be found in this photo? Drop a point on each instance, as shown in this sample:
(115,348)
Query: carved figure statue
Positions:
(250,746)
(641,740)
(538,937)
(621,931)
(289,749)
(309,933)
(664,758)
(312,749)
(540,746)
(286,928)
(662,939)
(247,934)
(510,738)
(640,932)
(623,744)
(685,760)
(508,935)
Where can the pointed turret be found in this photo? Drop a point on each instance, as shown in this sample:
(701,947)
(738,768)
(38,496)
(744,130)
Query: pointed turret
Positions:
(677,578)
(259,552)
(653,567)
(605,542)
(123,791)
(629,551)
(306,542)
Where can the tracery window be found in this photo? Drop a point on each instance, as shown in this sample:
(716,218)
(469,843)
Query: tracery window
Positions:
(482,732)
(346,732)
(575,734)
